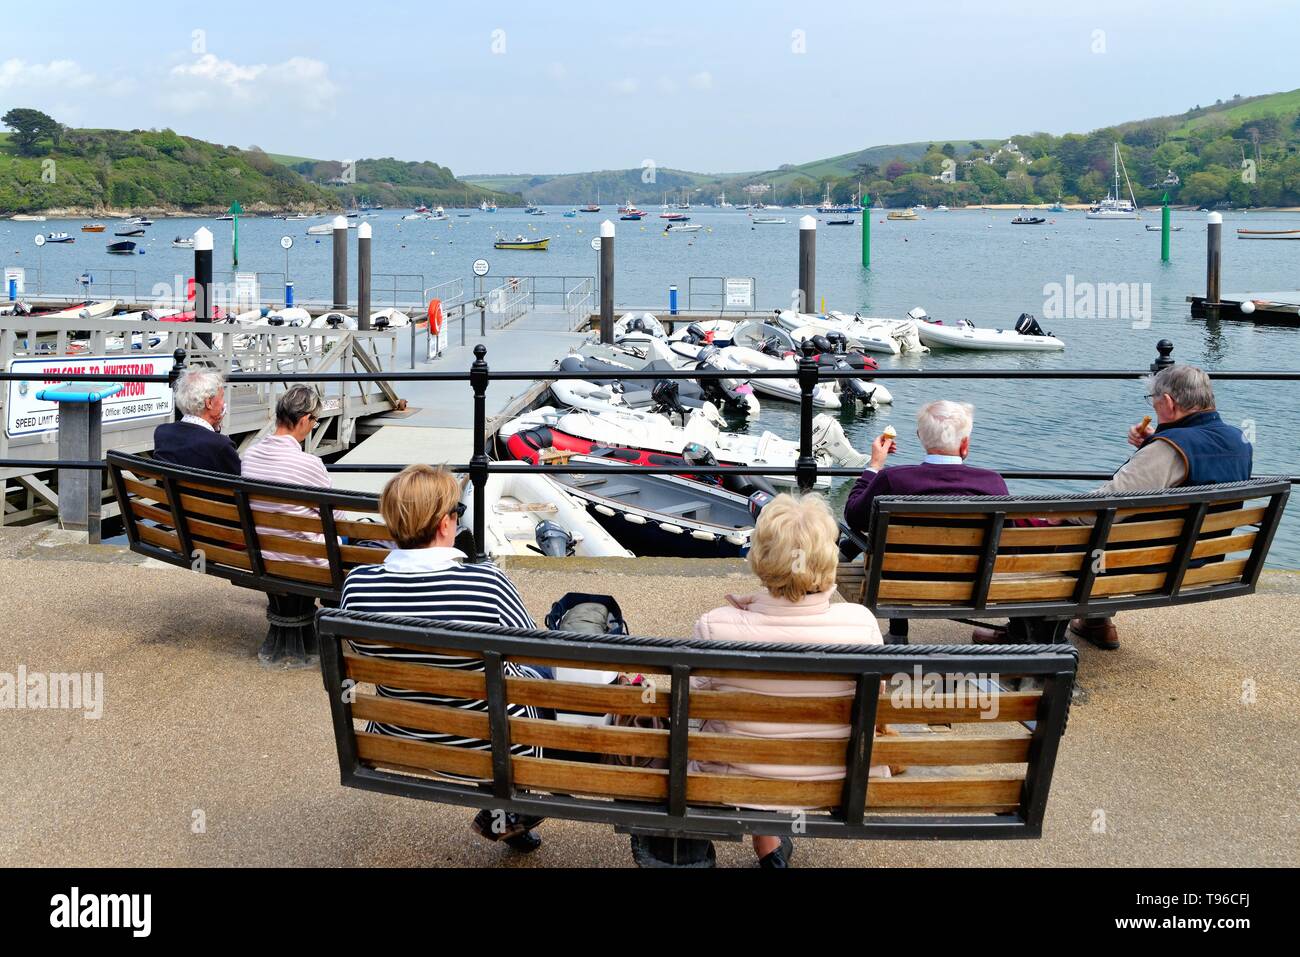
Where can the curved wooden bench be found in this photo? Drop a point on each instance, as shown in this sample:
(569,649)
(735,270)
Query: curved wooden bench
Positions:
(211,522)
(988,779)
(987,557)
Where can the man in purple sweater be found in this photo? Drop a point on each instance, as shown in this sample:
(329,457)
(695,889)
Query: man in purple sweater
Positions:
(944,430)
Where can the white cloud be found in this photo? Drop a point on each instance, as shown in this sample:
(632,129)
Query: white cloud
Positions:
(702,80)
(625,87)
(55,76)
(299,83)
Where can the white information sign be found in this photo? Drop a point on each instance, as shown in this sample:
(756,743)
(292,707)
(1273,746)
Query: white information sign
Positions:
(739,293)
(27,415)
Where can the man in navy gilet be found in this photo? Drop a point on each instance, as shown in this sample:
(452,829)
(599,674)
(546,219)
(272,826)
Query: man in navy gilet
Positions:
(196,440)
(1189,445)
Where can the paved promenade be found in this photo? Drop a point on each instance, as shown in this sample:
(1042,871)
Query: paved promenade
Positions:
(1159,739)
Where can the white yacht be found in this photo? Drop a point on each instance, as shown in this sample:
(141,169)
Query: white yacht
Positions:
(1113,207)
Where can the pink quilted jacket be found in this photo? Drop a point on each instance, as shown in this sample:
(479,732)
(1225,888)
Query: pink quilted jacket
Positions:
(763,617)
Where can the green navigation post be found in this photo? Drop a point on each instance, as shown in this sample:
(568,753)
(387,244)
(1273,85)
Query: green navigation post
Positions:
(866,231)
(1164,230)
(235,211)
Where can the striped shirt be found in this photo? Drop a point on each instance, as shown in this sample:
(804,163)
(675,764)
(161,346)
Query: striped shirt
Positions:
(434,583)
(279,458)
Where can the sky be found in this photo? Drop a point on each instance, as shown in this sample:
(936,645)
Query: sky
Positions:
(572,85)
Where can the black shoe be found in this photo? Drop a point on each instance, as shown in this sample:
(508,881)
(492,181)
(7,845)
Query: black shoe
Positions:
(780,858)
(516,830)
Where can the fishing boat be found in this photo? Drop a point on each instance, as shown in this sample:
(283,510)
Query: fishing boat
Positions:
(422,208)
(1026,336)
(1112,207)
(1028,221)
(902,215)
(591,208)
(438,215)
(827,206)
(674,217)
(1268,234)
(520,242)
(679,227)
(183,242)
(1172,229)
(531,210)
(570,214)
(60,238)
(941,208)
(93,228)
(137,221)
(122,249)
(130,231)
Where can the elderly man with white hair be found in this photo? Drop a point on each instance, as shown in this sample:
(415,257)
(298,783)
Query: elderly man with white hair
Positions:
(1190,444)
(196,440)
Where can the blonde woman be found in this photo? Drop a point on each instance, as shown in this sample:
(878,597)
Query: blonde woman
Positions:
(794,554)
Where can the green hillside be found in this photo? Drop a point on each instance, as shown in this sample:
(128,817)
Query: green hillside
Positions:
(398,183)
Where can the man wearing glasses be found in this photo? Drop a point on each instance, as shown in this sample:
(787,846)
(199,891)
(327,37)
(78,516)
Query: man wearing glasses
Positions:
(1189,445)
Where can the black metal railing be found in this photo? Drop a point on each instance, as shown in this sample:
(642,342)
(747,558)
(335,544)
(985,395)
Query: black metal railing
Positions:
(809,374)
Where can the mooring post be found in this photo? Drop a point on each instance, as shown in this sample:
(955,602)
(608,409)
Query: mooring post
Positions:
(340,263)
(363,278)
(607,282)
(478,463)
(866,231)
(806,465)
(1213,261)
(1164,230)
(203,280)
(1164,358)
(807,263)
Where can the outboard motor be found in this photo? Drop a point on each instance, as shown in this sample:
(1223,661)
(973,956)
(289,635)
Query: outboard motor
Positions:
(771,346)
(822,344)
(728,392)
(22,309)
(275,320)
(695,334)
(637,325)
(757,502)
(667,396)
(334,320)
(1027,325)
(553,540)
(383,322)
(839,342)
(696,454)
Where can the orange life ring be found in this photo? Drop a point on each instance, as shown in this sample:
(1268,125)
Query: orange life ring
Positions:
(435,316)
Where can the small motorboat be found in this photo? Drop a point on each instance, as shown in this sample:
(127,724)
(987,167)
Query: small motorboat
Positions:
(902,214)
(183,242)
(594,386)
(830,352)
(122,248)
(1172,229)
(521,242)
(668,515)
(843,222)
(89,309)
(137,221)
(683,228)
(634,217)
(130,231)
(571,214)
(741,359)
(1268,234)
(868,333)
(674,217)
(334,320)
(93,228)
(530,514)
(591,208)
(60,238)
(1028,221)
(1026,336)
(769,220)
(225,218)
(605,365)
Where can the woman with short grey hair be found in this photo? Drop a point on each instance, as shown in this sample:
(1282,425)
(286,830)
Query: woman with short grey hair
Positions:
(299,402)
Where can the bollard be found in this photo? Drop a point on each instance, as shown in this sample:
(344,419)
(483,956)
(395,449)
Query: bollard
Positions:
(13,290)
(1164,359)
(203,279)
(363,278)
(1213,258)
(288,294)
(340,263)
(81,415)
(607,282)
(672,300)
(807,263)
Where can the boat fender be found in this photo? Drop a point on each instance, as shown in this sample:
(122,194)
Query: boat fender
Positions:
(740,540)
(670,528)
(702,535)
(606,510)
(635,519)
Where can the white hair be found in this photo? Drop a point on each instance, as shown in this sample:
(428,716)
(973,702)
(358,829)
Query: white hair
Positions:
(942,425)
(195,387)
(1188,386)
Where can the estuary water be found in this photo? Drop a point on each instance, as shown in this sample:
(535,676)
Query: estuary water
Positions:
(961,264)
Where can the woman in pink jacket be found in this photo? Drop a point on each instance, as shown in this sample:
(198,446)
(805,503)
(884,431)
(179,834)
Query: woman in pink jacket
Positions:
(794,554)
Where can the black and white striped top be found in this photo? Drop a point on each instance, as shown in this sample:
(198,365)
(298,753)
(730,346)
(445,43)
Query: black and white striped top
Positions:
(435,583)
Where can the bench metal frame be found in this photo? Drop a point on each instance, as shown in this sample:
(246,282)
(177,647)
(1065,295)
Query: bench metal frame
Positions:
(868,665)
(995,510)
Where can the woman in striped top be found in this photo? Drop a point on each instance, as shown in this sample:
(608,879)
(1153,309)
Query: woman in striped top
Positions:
(426,577)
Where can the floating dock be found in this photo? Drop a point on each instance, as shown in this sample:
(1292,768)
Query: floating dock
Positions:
(1267,308)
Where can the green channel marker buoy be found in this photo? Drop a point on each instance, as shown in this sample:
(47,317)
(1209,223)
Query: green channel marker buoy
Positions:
(235,210)
(1164,230)
(866,231)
